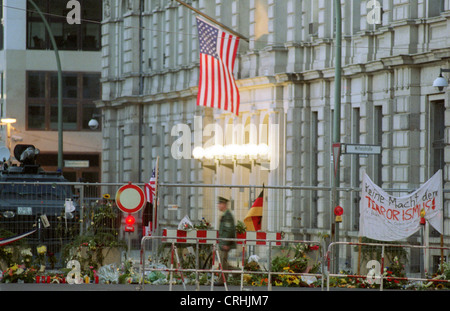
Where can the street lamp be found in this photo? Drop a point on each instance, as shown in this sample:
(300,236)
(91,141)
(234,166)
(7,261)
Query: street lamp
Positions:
(440,82)
(8,122)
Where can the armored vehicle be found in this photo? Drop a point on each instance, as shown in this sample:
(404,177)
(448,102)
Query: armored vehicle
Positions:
(33,199)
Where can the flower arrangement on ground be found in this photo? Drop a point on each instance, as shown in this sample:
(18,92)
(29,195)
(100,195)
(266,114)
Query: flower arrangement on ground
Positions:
(293,261)
(392,275)
(100,237)
(17,273)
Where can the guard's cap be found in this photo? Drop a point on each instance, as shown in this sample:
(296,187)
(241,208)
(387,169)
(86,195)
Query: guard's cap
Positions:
(222,200)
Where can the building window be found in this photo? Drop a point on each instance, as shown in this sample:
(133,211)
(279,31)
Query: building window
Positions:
(314,164)
(1,26)
(438,136)
(84,36)
(378,140)
(78,167)
(79,91)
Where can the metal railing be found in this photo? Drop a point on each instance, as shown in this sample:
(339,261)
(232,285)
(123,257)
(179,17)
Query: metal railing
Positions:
(89,196)
(376,278)
(378,270)
(271,244)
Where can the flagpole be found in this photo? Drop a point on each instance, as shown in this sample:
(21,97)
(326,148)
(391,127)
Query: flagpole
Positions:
(213,20)
(154,211)
(155,201)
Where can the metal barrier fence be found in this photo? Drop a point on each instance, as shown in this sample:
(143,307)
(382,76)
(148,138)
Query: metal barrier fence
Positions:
(380,265)
(303,212)
(279,269)
(379,270)
(62,215)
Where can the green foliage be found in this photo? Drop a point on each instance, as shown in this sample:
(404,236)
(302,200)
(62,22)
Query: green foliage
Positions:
(240,227)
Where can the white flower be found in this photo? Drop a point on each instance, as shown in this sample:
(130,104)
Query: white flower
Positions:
(26,252)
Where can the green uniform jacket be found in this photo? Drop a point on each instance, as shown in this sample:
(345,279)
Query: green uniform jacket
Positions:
(227,229)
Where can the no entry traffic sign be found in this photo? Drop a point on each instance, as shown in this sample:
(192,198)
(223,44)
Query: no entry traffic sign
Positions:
(130,198)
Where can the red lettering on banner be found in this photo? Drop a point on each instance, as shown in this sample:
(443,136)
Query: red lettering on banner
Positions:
(392,214)
(382,210)
(411,213)
(404,214)
(387,213)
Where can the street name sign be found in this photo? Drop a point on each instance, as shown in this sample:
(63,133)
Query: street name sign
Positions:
(361,149)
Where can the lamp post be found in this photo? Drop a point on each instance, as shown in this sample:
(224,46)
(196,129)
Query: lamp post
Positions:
(336,123)
(440,82)
(58,64)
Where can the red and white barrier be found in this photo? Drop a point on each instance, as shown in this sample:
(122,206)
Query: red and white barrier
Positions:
(251,237)
(190,236)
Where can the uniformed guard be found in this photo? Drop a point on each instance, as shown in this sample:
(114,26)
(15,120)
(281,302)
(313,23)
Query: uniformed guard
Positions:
(227,230)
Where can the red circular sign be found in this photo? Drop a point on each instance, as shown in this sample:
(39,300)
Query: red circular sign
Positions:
(130,198)
(338,211)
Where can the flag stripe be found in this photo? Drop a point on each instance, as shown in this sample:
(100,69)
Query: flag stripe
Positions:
(225,81)
(7,241)
(228,81)
(236,91)
(150,188)
(222,103)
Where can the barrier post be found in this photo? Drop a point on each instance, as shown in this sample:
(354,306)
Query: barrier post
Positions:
(141,265)
(269,278)
(221,268)
(197,283)
(179,267)
(382,267)
(171,268)
(213,261)
(243,266)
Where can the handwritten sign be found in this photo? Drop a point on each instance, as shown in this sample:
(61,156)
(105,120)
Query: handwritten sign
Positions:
(387,218)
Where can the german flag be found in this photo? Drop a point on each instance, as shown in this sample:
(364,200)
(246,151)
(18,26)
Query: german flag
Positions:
(253,219)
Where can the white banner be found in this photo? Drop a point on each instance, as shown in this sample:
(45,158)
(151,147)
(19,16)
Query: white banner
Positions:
(387,218)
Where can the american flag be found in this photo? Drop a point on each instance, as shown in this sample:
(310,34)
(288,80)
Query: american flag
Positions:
(217,87)
(150,188)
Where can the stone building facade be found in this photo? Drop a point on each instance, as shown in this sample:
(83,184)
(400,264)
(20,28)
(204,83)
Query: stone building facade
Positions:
(285,74)
(28,78)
